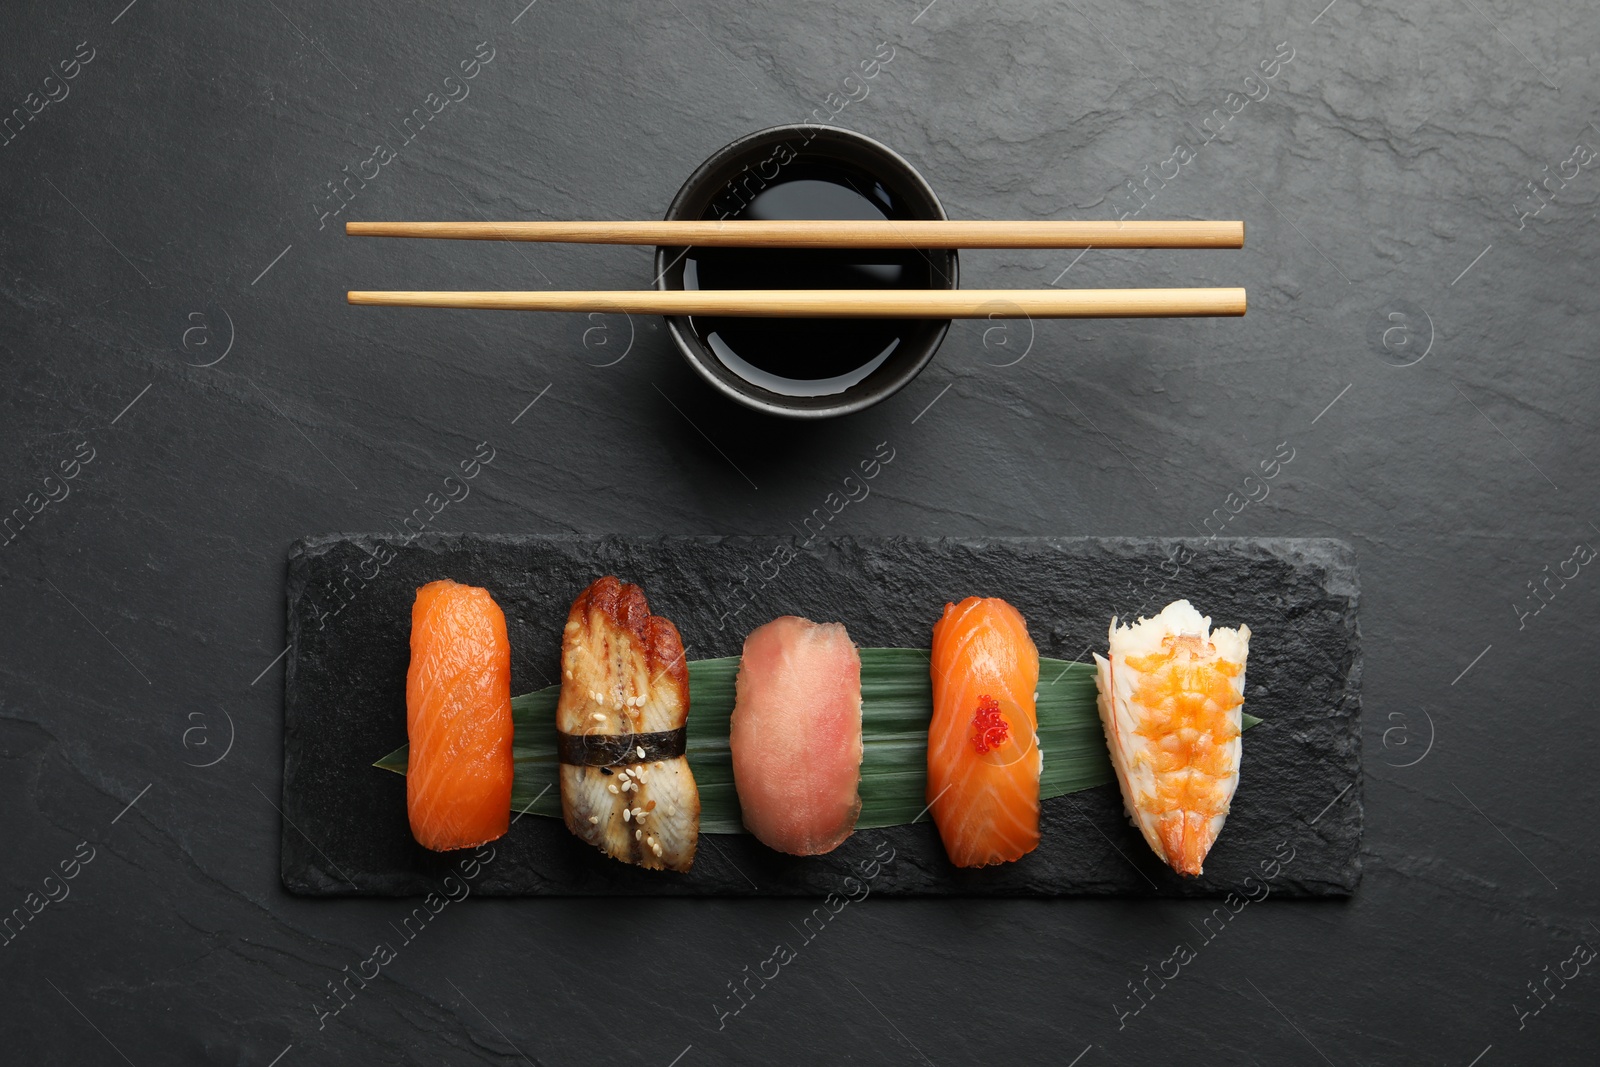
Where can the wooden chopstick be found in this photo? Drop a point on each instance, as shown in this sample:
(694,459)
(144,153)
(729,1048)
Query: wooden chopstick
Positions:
(834,233)
(843,303)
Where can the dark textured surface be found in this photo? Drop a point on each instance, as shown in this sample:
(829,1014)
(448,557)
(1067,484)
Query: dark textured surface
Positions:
(1386,170)
(344,702)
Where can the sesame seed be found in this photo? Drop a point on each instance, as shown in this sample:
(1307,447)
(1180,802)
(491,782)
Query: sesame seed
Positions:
(599,716)
(611,788)
(638,834)
(656,765)
(594,819)
(651,841)
(639,749)
(656,849)
(650,806)
(569,674)
(626,814)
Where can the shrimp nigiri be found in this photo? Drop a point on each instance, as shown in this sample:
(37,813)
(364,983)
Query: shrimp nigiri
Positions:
(1172,703)
(984,758)
(458,718)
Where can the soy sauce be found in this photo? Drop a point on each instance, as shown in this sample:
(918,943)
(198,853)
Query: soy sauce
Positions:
(808,357)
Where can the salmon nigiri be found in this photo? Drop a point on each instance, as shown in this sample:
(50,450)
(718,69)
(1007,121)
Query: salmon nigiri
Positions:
(983,745)
(1172,701)
(458,718)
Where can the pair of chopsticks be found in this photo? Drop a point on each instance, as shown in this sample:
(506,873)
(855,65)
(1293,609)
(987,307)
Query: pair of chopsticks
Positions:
(835,234)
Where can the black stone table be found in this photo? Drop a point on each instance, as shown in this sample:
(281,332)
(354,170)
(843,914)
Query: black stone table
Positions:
(186,394)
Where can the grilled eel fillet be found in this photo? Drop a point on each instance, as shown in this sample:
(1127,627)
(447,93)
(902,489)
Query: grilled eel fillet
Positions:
(626,787)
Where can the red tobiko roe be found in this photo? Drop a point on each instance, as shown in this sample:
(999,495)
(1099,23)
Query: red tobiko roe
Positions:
(989,729)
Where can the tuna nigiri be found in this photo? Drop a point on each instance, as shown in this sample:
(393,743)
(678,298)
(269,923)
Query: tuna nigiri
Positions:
(626,787)
(984,759)
(1172,703)
(796,735)
(458,718)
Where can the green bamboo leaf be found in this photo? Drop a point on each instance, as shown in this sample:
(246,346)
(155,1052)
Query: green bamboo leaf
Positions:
(896,704)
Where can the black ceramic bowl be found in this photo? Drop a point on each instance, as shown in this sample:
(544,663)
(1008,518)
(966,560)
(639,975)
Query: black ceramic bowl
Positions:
(806,368)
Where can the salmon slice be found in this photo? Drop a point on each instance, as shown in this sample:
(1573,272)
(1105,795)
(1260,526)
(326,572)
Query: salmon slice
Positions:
(795,735)
(458,718)
(626,787)
(1172,703)
(984,758)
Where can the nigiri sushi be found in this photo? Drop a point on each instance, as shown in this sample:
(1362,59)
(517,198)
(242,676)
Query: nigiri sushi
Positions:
(458,718)
(1172,703)
(795,735)
(626,787)
(984,759)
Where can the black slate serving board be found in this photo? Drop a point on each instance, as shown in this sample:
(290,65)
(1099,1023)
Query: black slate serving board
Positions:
(349,597)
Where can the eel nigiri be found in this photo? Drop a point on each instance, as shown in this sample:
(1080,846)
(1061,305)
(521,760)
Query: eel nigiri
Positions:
(796,735)
(626,787)
(458,718)
(984,759)
(1172,703)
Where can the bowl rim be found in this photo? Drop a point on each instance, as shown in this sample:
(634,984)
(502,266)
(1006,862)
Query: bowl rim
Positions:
(695,354)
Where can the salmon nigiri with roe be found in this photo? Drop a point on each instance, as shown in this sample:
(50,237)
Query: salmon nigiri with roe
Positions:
(1172,703)
(984,759)
(458,718)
